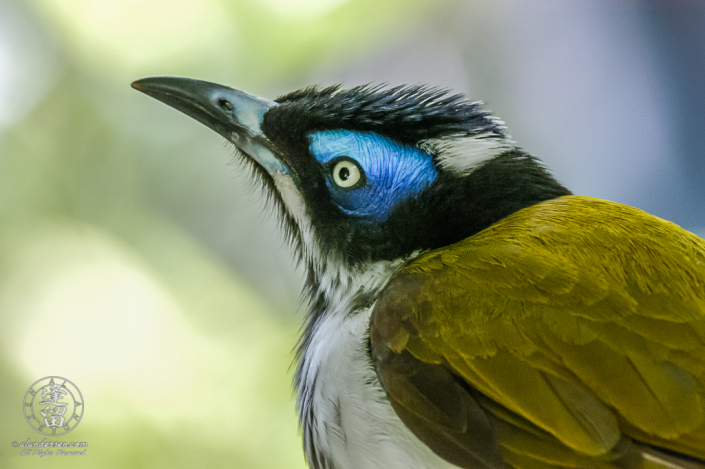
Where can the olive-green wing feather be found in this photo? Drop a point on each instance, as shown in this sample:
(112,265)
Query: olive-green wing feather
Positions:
(576,325)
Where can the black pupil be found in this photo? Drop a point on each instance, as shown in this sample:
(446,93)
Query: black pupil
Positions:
(344,174)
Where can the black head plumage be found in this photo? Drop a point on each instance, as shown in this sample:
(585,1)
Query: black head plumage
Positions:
(406,114)
(454,207)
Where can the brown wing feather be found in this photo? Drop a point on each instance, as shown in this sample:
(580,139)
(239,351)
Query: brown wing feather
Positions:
(576,323)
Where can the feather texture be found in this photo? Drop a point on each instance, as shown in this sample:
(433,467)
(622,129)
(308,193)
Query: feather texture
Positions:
(577,324)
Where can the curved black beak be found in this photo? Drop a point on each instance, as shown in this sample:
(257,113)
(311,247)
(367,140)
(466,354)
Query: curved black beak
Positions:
(234,114)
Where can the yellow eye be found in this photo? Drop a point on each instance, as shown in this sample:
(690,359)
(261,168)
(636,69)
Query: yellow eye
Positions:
(346,173)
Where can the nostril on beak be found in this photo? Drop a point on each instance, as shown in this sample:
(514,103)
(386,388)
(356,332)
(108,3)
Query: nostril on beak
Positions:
(225,105)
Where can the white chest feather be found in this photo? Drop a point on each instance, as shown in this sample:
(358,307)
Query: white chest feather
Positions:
(348,422)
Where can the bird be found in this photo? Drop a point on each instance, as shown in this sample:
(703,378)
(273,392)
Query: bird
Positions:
(465,309)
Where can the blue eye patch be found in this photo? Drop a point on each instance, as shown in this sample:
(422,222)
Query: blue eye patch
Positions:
(391,172)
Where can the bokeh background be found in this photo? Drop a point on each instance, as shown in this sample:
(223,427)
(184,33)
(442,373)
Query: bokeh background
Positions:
(137,261)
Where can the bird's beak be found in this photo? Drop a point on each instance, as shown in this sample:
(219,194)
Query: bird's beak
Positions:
(234,114)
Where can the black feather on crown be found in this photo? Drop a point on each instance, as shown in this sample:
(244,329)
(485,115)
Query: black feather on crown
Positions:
(407,114)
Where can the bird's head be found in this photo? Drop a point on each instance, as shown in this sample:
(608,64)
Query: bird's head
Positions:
(370,174)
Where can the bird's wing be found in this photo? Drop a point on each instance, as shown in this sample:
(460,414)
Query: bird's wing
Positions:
(566,330)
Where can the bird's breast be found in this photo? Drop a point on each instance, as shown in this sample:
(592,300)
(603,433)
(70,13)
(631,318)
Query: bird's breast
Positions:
(347,420)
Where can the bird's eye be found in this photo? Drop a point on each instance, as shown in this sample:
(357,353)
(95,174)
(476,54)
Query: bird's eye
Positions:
(346,173)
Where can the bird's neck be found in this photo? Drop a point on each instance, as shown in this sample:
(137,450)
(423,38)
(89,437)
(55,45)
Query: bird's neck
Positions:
(334,293)
(499,187)
(336,290)
(346,419)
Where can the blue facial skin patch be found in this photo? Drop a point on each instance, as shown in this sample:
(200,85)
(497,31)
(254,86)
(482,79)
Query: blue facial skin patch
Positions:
(393,172)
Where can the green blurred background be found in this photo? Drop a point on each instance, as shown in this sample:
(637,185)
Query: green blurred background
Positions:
(138,262)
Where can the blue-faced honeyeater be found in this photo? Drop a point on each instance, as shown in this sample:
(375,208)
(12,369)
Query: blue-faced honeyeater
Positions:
(465,309)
